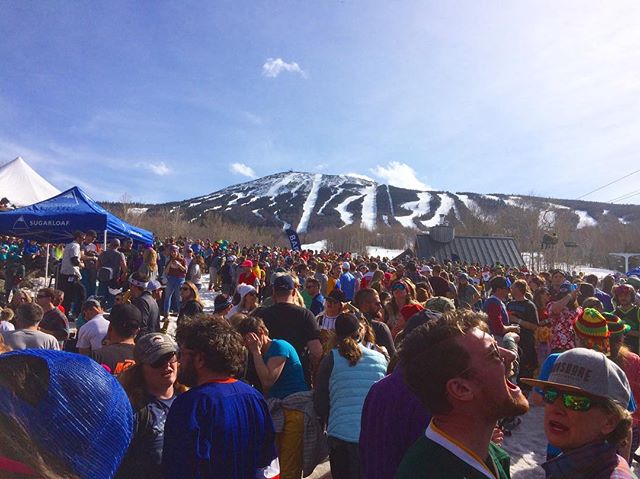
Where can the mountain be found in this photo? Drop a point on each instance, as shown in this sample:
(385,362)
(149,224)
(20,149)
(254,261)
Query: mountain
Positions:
(307,202)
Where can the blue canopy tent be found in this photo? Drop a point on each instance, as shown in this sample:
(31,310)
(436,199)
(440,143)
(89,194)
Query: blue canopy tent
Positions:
(54,220)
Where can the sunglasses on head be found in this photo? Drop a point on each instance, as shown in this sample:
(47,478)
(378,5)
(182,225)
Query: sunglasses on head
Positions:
(574,402)
(398,286)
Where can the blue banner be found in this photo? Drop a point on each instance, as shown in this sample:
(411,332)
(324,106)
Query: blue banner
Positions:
(293,239)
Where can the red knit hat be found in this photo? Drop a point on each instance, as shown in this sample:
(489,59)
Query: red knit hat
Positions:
(409,310)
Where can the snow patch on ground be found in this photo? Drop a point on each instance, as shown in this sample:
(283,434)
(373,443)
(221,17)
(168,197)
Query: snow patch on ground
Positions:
(317,246)
(468,202)
(446,204)
(492,197)
(320,211)
(391,208)
(277,186)
(238,196)
(256,212)
(547,219)
(285,225)
(605,212)
(584,220)
(419,208)
(623,220)
(369,208)
(191,205)
(383,252)
(137,211)
(345,216)
(309,204)
(385,218)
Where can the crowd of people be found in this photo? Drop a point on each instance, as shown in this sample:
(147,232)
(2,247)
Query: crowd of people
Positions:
(403,368)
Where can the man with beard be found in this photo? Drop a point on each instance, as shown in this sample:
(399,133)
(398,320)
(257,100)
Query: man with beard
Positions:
(221,427)
(458,370)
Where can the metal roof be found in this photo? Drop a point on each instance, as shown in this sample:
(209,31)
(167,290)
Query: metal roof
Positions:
(485,250)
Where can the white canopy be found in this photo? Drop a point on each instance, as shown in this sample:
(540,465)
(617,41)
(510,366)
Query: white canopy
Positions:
(22,186)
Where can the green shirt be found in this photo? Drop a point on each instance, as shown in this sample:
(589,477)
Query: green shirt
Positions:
(427,459)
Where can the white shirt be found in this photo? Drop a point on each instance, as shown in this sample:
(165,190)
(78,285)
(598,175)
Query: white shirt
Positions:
(72,250)
(92,333)
(6,326)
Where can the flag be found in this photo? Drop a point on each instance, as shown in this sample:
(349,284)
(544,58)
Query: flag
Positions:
(293,239)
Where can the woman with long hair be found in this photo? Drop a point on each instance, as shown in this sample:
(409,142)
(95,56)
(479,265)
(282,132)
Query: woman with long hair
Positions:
(245,300)
(345,376)
(402,293)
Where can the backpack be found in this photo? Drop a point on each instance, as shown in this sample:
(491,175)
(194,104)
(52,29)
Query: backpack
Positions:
(105,274)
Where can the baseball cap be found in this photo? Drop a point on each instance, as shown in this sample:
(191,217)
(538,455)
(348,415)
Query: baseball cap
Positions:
(247,263)
(154,285)
(91,303)
(81,405)
(426,269)
(583,370)
(151,347)
(346,325)
(221,302)
(283,283)
(346,266)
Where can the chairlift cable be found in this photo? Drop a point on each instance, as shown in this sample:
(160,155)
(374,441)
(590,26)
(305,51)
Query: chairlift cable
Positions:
(608,184)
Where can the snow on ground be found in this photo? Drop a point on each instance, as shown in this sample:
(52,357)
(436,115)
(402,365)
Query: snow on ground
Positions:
(285,225)
(275,188)
(320,211)
(137,211)
(257,213)
(492,197)
(317,246)
(419,208)
(369,207)
(468,202)
(309,204)
(345,216)
(238,196)
(191,205)
(585,219)
(382,252)
(446,203)
(623,221)
(391,208)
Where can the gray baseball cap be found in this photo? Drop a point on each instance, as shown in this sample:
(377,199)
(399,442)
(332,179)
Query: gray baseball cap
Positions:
(583,370)
(153,346)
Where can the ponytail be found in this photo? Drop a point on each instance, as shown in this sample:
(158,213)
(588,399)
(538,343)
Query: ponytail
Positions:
(350,350)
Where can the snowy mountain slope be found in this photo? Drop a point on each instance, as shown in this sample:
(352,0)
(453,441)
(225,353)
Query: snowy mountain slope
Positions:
(309,201)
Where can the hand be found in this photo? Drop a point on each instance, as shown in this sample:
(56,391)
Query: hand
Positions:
(252,342)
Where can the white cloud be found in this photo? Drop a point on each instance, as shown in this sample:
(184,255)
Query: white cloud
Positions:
(400,175)
(273,67)
(362,177)
(160,169)
(242,169)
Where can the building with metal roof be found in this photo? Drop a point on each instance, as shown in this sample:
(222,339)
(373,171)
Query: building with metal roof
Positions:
(442,244)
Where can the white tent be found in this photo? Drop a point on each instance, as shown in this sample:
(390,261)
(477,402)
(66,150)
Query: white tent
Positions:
(22,186)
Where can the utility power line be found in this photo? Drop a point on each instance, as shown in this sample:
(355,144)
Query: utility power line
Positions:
(625,197)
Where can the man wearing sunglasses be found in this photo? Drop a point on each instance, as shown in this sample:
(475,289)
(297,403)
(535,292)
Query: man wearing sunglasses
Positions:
(585,415)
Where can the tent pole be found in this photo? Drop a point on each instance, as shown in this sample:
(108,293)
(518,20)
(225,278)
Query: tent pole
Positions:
(46,268)
(104,243)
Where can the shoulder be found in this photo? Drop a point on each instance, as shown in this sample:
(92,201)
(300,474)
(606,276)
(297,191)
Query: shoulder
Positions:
(426,459)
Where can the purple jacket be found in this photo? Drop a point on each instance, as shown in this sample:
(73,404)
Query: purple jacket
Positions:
(393,418)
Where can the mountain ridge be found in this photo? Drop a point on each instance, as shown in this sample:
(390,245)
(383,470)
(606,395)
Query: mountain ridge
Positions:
(313,201)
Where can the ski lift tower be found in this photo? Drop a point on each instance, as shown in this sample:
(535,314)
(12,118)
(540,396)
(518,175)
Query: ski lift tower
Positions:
(626,257)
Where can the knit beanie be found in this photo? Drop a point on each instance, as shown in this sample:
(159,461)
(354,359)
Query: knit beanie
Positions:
(591,327)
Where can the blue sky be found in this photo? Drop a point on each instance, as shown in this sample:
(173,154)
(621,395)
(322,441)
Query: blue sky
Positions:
(170,100)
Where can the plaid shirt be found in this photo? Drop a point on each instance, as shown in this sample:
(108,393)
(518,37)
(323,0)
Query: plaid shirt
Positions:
(593,461)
